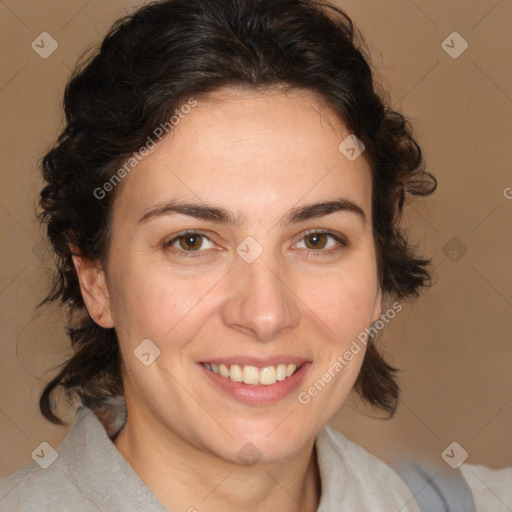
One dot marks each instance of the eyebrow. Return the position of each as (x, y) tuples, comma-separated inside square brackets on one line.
[(222, 216)]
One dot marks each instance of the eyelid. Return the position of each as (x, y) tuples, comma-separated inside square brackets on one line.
[(321, 231)]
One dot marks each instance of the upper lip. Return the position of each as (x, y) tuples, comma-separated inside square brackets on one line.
[(256, 361)]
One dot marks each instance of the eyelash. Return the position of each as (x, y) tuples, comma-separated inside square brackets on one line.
[(311, 253)]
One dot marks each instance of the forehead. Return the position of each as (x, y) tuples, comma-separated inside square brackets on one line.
[(256, 151)]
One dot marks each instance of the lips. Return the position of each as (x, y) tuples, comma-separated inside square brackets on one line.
[(256, 381)]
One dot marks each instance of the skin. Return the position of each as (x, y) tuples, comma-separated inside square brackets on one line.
[(258, 155)]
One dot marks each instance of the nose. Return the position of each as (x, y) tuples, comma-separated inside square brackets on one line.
[(261, 303)]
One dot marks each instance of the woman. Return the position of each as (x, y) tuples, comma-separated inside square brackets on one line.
[(224, 205)]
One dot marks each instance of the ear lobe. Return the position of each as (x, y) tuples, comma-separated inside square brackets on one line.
[(377, 306), (94, 289)]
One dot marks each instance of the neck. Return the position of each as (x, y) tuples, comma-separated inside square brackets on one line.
[(184, 477)]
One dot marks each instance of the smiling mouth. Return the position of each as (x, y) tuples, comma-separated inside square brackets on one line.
[(253, 375)]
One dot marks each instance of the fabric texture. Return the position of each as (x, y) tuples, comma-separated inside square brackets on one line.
[(437, 490), (91, 475), (491, 488)]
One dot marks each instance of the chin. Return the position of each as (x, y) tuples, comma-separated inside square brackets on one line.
[(263, 445)]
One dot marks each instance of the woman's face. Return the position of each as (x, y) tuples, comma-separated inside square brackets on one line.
[(250, 288)]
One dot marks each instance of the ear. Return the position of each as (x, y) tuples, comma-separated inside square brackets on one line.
[(94, 289), (377, 306)]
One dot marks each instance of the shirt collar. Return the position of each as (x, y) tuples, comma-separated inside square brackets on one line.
[(333, 483), (98, 469)]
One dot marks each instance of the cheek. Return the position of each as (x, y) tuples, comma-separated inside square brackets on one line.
[(155, 301), (343, 301)]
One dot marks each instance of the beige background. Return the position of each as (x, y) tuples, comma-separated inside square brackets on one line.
[(453, 344)]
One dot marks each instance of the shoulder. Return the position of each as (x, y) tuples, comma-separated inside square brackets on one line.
[(35, 489), (362, 463), (51, 479), (11, 489), (491, 488), (360, 478), (86, 473)]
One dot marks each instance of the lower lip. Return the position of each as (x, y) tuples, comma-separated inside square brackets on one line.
[(259, 394)]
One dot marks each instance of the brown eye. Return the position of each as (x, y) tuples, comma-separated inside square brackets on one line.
[(189, 244), (318, 240), (322, 243), (191, 241)]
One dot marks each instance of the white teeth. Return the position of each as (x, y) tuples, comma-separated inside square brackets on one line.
[(235, 373), (290, 368), (253, 375), (268, 375), (223, 371), (281, 372)]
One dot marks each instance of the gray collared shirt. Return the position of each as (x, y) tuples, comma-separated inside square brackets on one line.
[(90, 475)]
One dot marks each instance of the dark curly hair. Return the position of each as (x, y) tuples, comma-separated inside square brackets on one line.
[(168, 51)]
